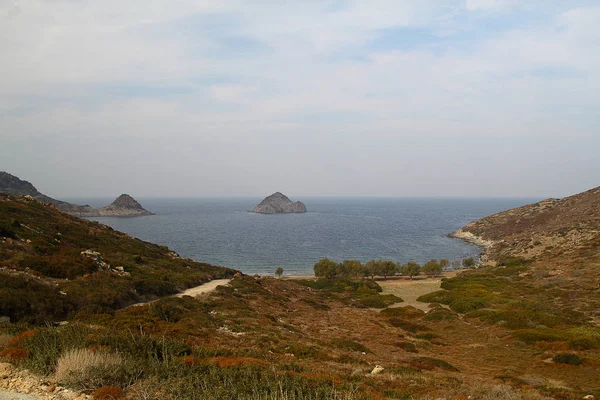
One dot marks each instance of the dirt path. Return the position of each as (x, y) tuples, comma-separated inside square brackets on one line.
[(205, 288), (195, 291), (410, 290)]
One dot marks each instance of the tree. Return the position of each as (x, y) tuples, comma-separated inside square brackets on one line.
[(326, 268), (386, 268), (279, 271), (444, 263), (411, 269), (456, 264), (432, 268), (370, 269), (468, 262), (352, 268)]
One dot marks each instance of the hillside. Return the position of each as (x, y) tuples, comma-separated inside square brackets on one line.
[(53, 264), (558, 236), (544, 228), (516, 330)]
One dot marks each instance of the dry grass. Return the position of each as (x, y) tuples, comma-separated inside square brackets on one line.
[(86, 368), (4, 341), (483, 391)]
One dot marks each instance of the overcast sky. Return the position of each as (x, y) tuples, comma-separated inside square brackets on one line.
[(341, 97)]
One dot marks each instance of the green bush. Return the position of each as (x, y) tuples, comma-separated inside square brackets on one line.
[(346, 344), (48, 344), (568, 358), (427, 336), (440, 314), (403, 312), (465, 305), (407, 325)]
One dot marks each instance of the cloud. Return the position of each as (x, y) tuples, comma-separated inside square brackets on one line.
[(487, 5), (350, 75)]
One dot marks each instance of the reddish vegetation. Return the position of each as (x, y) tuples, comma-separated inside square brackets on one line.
[(108, 393), (13, 354), (22, 337)]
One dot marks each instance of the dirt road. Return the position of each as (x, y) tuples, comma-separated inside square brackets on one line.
[(205, 288)]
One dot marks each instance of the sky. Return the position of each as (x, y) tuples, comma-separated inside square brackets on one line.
[(182, 98)]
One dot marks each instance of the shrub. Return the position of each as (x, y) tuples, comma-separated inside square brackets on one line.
[(403, 312), (427, 336), (351, 345), (568, 358), (465, 305), (532, 336), (84, 368), (407, 346), (13, 354), (431, 363), (379, 301), (407, 325), (440, 314), (4, 341), (468, 262), (5, 231), (46, 345), (108, 393)]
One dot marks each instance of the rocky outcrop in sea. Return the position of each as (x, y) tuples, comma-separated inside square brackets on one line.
[(278, 203)]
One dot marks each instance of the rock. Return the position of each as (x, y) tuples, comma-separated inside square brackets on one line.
[(589, 397), (123, 206), (278, 203), (377, 370)]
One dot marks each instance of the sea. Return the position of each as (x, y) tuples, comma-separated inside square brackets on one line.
[(224, 231)]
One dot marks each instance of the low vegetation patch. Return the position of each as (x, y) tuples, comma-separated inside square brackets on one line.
[(87, 369), (568, 358)]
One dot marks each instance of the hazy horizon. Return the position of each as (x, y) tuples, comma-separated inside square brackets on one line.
[(192, 99)]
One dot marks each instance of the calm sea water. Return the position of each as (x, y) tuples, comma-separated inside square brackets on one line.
[(223, 232)]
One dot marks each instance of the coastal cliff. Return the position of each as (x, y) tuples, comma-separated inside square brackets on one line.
[(278, 203)]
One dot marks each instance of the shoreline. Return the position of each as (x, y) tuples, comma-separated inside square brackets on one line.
[(475, 240)]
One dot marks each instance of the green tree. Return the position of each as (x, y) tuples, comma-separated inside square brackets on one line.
[(325, 268), (386, 268), (456, 264), (370, 269), (468, 262), (279, 271), (444, 263), (411, 269), (431, 268), (351, 268)]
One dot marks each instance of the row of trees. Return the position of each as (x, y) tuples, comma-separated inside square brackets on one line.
[(327, 268)]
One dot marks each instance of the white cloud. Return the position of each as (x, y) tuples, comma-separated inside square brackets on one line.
[(319, 72), (486, 5)]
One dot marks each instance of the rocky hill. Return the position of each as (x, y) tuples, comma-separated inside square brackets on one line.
[(278, 203), (13, 185), (545, 229), (123, 206)]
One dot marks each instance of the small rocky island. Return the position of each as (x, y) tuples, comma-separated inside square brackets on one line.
[(123, 206), (278, 203)]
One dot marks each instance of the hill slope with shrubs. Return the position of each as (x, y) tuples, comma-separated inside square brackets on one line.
[(53, 264)]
